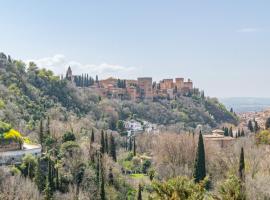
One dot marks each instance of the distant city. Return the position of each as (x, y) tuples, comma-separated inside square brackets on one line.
[(142, 88), (246, 104)]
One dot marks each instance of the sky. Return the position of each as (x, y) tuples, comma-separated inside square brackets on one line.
[(223, 46)]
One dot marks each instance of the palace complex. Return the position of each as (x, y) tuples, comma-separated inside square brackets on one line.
[(142, 88)]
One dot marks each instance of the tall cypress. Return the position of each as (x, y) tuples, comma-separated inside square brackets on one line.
[(242, 165), (106, 144), (199, 166), (130, 144), (39, 178), (231, 132), (112, 148), (102, 182), (250, 126), (92, 136), (139, 197), (102, 143), (48, 126), (41, 134), (134, 147)]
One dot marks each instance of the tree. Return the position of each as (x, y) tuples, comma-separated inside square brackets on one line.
[(226, 131), (102, 143), (139, 197), (130, 144), (39, 177), (241, 170), (48, 193), (92, 136), (242, 133), (256, 126), (134, 146), (120, 126), (250, 126), (102, 182), (110, 176), (231, 110), (199, 168), (112, 148), (231, 189), (48, 126), (179, 188), (68, 136), (28, 165), (267, 123), (106, 144), (231, 132), (41, 134)]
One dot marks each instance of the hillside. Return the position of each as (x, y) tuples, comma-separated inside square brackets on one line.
[(27, 95)]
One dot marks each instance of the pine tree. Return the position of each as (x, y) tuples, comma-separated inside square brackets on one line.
[(112, 148), (134, 146), (102, 143), (92, 136), (139, 197), (242, 165), (199, 167), (39, 178)]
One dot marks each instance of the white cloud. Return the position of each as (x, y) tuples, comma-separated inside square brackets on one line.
[(59, 64), (248, 30)]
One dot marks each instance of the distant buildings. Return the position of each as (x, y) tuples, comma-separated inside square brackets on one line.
[(218, 139), (141, 89)]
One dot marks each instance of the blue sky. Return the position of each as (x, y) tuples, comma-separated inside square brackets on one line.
[(223, 46)]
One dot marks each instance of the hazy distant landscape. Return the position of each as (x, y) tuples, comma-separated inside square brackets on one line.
[(246, 104)]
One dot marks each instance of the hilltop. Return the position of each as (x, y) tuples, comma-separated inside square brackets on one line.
[(28, 94)]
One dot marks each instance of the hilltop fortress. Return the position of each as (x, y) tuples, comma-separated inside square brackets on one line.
[(143, 88)]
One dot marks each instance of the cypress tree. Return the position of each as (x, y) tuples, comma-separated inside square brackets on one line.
[(41, 134), (98, 169), (39, 178), (48, 187), (139, 197), (130, 144), (250, 126), (267, 123), (256, 127), (231, 132), (134, 147), (102, 182), (48, 126), (102, 143), (199, 167), (112, 148), (242, 133), (106, 144), (110, 176), (92, 136), (242, 165)]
